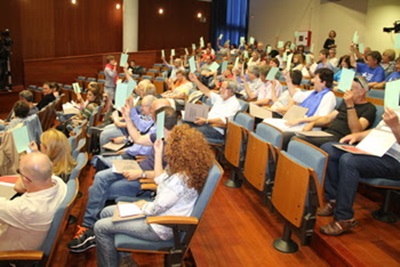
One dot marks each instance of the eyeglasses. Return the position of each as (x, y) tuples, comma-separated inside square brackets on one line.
[(360, 83), (29, 179)]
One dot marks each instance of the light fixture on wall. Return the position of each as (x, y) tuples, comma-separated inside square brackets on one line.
[(201, 18), (73, 2), (117, 6), (160, 11)]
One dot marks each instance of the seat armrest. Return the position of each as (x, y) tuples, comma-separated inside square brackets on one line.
[(21, 255), (165, 220), (146, 181), (152, 187)]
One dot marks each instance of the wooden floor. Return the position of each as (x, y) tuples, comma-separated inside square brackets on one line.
[(237, 230)]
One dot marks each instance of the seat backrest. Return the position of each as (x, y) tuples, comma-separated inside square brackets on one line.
[(214, 175), (146, 77), (81, 161), (270, 134), (290, 188), (72, 140), (79, 148), (378, 115), (245, 120), (60, 221), (34, 127), (376, 93), (94, 117), (310, 155), (244, 105), (256, 161), (159, 84), (233, 143)]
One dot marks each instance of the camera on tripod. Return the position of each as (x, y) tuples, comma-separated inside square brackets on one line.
[(395, 28), (5, 66)]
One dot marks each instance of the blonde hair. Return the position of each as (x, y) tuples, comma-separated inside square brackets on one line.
[(58, 150)]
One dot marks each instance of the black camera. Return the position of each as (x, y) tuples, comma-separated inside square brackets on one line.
[(6, 39), (396, 27)]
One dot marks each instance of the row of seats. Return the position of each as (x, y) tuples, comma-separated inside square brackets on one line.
[(254, 156)]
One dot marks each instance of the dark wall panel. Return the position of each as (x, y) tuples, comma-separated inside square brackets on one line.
[(177, 27), (48, 29), (57, 28)]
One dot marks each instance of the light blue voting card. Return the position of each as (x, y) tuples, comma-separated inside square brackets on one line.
[(160, 125), (214, 66), (123, 60), (392, 95), (21, 138), (192, 65), (272, 73), (121, 95), (346, 79)]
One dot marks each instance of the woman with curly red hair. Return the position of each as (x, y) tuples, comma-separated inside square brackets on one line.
[(189, 159)]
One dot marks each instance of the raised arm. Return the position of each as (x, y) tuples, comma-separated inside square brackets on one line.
[(204, 89), (135, 135), (392, 120), (290, 85), (250, 94), (353, 52), (158, 151)]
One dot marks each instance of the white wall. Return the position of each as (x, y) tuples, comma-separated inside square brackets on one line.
[(284, 17), (381, 13)]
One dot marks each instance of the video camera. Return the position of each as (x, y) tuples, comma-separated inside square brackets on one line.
[(396, 27)]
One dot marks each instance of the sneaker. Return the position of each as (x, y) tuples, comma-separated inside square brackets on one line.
[(88, 245), (81, 238)]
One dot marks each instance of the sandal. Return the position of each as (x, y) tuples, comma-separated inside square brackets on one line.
[(338, 227), (327, 210)]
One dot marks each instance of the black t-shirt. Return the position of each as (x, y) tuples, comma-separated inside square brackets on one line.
[(328, 43), (340, 127)]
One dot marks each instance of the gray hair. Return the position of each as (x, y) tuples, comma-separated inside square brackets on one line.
[(27, 95), (255, 70), (232, 85)]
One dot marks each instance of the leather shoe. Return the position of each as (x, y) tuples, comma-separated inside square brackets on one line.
[(327, 210)]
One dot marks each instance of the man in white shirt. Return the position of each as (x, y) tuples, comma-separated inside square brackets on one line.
[(270, 91), (253, 84), (25, 220), (225, 106)]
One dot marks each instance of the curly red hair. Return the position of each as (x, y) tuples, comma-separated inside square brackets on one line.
[(188, 152)]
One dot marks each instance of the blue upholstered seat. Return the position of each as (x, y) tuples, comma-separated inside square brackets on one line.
[(175, 251)]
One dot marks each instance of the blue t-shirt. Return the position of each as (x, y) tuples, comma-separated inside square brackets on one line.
[(370, 74), (393, 76)]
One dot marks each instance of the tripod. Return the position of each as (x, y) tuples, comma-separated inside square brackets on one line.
[(5, 74)]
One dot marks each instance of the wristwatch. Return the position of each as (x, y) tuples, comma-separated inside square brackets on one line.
[(144, 174), (348, 108)]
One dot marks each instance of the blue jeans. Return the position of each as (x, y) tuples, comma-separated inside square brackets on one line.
[(100, 192), (105, 230), (110, 131), (208, 131), (344, 171)]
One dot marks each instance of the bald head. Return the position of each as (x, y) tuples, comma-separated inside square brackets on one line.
[(157, 104), (37, 168)]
